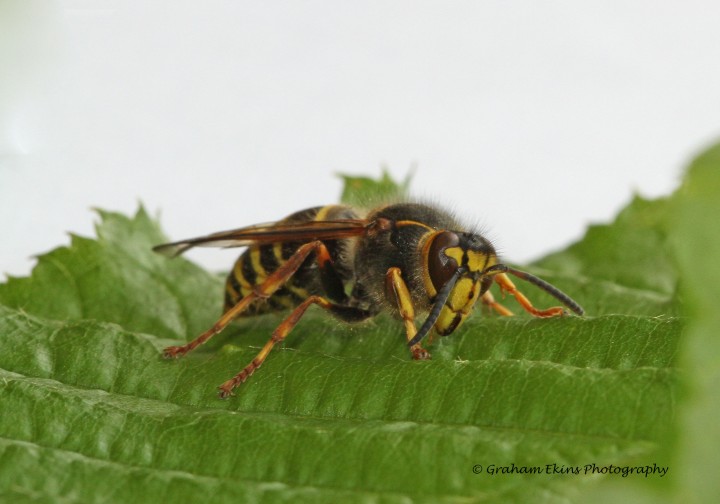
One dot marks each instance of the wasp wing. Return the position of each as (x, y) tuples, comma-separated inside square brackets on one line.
[(273, 232)]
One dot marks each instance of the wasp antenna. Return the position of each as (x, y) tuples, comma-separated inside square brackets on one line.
[(538, 282), (437, 307), (550, 289)]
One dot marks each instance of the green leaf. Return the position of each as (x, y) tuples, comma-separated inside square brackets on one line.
[(632, 252), (367, 192), (696, 244), (339, 413), (117, 279), (304, 419)]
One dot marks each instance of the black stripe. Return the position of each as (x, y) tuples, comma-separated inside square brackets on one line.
[(247, 270), (333, 249), (288, 249), (235, 283), (229, 301), (274, 303), (453, 325), (349, 313), (267, 259), (294, 296)]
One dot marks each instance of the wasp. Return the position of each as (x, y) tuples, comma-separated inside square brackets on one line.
[(403, 258)]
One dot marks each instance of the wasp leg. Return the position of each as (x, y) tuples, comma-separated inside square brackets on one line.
[(263, 291), (489, 300), (395, 282), (506, 285), (346, 313)]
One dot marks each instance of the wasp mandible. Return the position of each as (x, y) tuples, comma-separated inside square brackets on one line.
[(402, 258)]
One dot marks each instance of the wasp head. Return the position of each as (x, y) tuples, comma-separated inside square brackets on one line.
[(459, 258)]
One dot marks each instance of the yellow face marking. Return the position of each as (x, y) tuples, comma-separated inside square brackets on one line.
[(491, 261), (446, 320), (476, 260), (456, 253), (460, 303), (461, 293)]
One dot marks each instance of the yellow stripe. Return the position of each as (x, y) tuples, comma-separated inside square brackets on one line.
[(256, 265), (277, 250), (236, 296), (303, 293), (231, 291), (237, 272), (402, 223), (284, 300), (322, 213)]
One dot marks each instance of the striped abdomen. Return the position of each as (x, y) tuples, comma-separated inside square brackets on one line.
[(259, 261)]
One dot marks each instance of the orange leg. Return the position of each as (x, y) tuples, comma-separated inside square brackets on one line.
[(263, 291), (395, 282), (278, 335), (506, 285), (489, 300)]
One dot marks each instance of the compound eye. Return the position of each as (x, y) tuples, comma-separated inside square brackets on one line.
[(441, 267)]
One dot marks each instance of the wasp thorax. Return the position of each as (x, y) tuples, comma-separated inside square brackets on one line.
[(441, 266)]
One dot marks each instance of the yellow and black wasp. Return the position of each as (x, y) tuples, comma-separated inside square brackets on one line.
[(402, 258)]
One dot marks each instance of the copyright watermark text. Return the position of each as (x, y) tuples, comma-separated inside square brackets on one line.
[(560, 469)]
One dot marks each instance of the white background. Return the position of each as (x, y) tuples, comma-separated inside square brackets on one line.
[(532, 118)]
